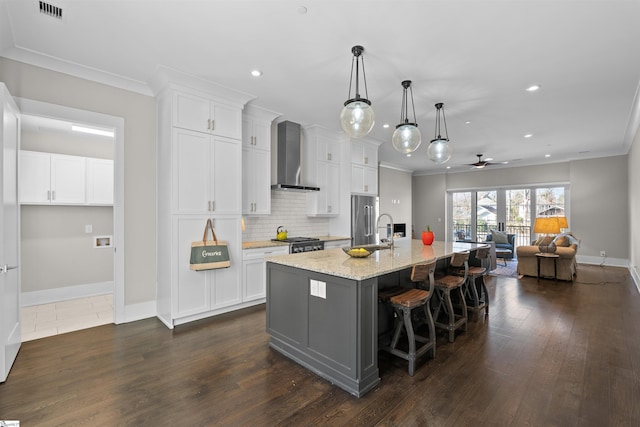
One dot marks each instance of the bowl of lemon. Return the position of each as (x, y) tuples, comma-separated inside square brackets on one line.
[(356, 252)]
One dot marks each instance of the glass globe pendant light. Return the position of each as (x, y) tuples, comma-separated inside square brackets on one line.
[(406, 138), (440, 150), (357, 117)]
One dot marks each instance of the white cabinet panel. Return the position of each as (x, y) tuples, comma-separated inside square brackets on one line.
[(201, 291), (204, 115), (207, 172), (254, 276), (256, 181), (35, 177), (99, 181), (322, 163)]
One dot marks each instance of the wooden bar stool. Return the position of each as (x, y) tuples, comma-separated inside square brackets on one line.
[(444, 286), (404, 301), (475, 289)]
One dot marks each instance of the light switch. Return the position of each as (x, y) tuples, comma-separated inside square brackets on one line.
[(314, 287), (88, 228)]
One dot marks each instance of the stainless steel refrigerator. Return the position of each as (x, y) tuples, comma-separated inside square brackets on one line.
[(364, 213)]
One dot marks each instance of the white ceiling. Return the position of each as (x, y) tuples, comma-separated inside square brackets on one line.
[(475, 56)]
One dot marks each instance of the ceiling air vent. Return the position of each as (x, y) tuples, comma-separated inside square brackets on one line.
[(50, 10)]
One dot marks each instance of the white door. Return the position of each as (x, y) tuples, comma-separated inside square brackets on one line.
[(10, 332)]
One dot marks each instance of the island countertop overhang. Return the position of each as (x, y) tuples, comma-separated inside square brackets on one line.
[(403, 255)]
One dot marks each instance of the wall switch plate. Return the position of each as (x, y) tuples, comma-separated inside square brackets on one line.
[(88, 228), (313, 285), (322, 290)]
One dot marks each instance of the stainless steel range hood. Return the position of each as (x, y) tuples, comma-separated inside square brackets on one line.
[(288, 152)]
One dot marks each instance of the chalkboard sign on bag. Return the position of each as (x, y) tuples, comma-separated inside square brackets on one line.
[(209, 254)]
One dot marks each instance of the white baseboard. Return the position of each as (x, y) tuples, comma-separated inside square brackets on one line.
[(634, 275), (49, 296), (143, 310), (596, 260)]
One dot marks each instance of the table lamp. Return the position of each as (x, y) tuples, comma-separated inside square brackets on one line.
[(547, 225)]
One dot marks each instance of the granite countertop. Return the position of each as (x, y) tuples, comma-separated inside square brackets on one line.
[(270, 243), (403, 255)]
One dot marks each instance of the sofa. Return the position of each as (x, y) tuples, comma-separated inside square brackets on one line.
[(503, 241), (564, 245)]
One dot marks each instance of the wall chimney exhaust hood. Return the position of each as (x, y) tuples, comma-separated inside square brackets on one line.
[(288, 157)]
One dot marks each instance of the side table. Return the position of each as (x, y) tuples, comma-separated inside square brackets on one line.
[(554, 257)]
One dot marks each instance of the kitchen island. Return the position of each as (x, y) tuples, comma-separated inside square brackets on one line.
[(322, 307)]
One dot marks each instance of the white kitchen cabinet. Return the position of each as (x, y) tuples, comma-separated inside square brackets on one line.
[(254, 272), (52, 179), (99, 181), (199, 176), (364, 167), (256, 160), (322, 165), (207, 173), (256, 182), (197, 292), (205, 115)]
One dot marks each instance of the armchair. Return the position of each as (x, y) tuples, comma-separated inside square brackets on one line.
[(511, 239)]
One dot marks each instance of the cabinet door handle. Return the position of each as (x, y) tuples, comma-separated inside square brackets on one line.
[(366, 160), (366, 188), (209, 205), (329, 208), (53, 195), (48, 194), (329, 156), (209, 124), (213, 205), (213, 124)]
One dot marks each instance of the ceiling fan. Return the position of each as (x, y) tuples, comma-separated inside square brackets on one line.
[(481, 163)]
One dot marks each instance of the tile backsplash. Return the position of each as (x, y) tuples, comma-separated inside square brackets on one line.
[(288, 209)]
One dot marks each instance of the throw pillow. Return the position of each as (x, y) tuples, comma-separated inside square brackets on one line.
[(550, 248), (499, 237), (561, 240), (546, 241)]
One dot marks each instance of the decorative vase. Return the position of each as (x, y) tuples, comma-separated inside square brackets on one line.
[(428, 237)]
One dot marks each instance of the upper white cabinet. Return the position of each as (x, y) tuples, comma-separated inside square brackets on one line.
[(207, 173), (322, 165), (99, 181), (364, 167), (204, 115), (57, 179), (256, 160)]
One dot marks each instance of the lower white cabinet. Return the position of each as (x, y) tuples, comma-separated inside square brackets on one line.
[(201, 292), (254, 272)]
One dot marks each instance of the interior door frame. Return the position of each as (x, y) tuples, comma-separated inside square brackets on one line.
[(54, 111)]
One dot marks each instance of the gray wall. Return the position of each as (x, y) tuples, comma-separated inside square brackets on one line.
[(139, 113), (394, 191), (55, 250), (599, 198)]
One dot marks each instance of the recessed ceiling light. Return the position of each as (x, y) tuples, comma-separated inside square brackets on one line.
[(547, 155), (533, 88), (529, 135), (93, 131), (256, 73), (408, 154), (386, 125), (448, 167), (467, 122)]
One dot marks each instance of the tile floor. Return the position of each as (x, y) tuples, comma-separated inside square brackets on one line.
[(45, 320)]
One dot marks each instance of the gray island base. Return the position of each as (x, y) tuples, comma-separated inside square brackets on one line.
[(322, 307)]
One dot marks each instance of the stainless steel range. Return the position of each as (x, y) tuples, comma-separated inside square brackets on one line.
[(303, 244)]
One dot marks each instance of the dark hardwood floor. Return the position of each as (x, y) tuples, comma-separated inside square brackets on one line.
[(550, 354)]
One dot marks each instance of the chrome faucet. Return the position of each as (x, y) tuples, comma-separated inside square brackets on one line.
[(389, 231)]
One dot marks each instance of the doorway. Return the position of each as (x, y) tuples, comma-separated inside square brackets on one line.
[(474, 213), (98, 121)]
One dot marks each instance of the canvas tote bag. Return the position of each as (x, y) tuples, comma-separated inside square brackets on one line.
[(209, 254)]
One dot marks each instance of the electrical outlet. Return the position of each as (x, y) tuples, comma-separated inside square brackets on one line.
[(603, 254)]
